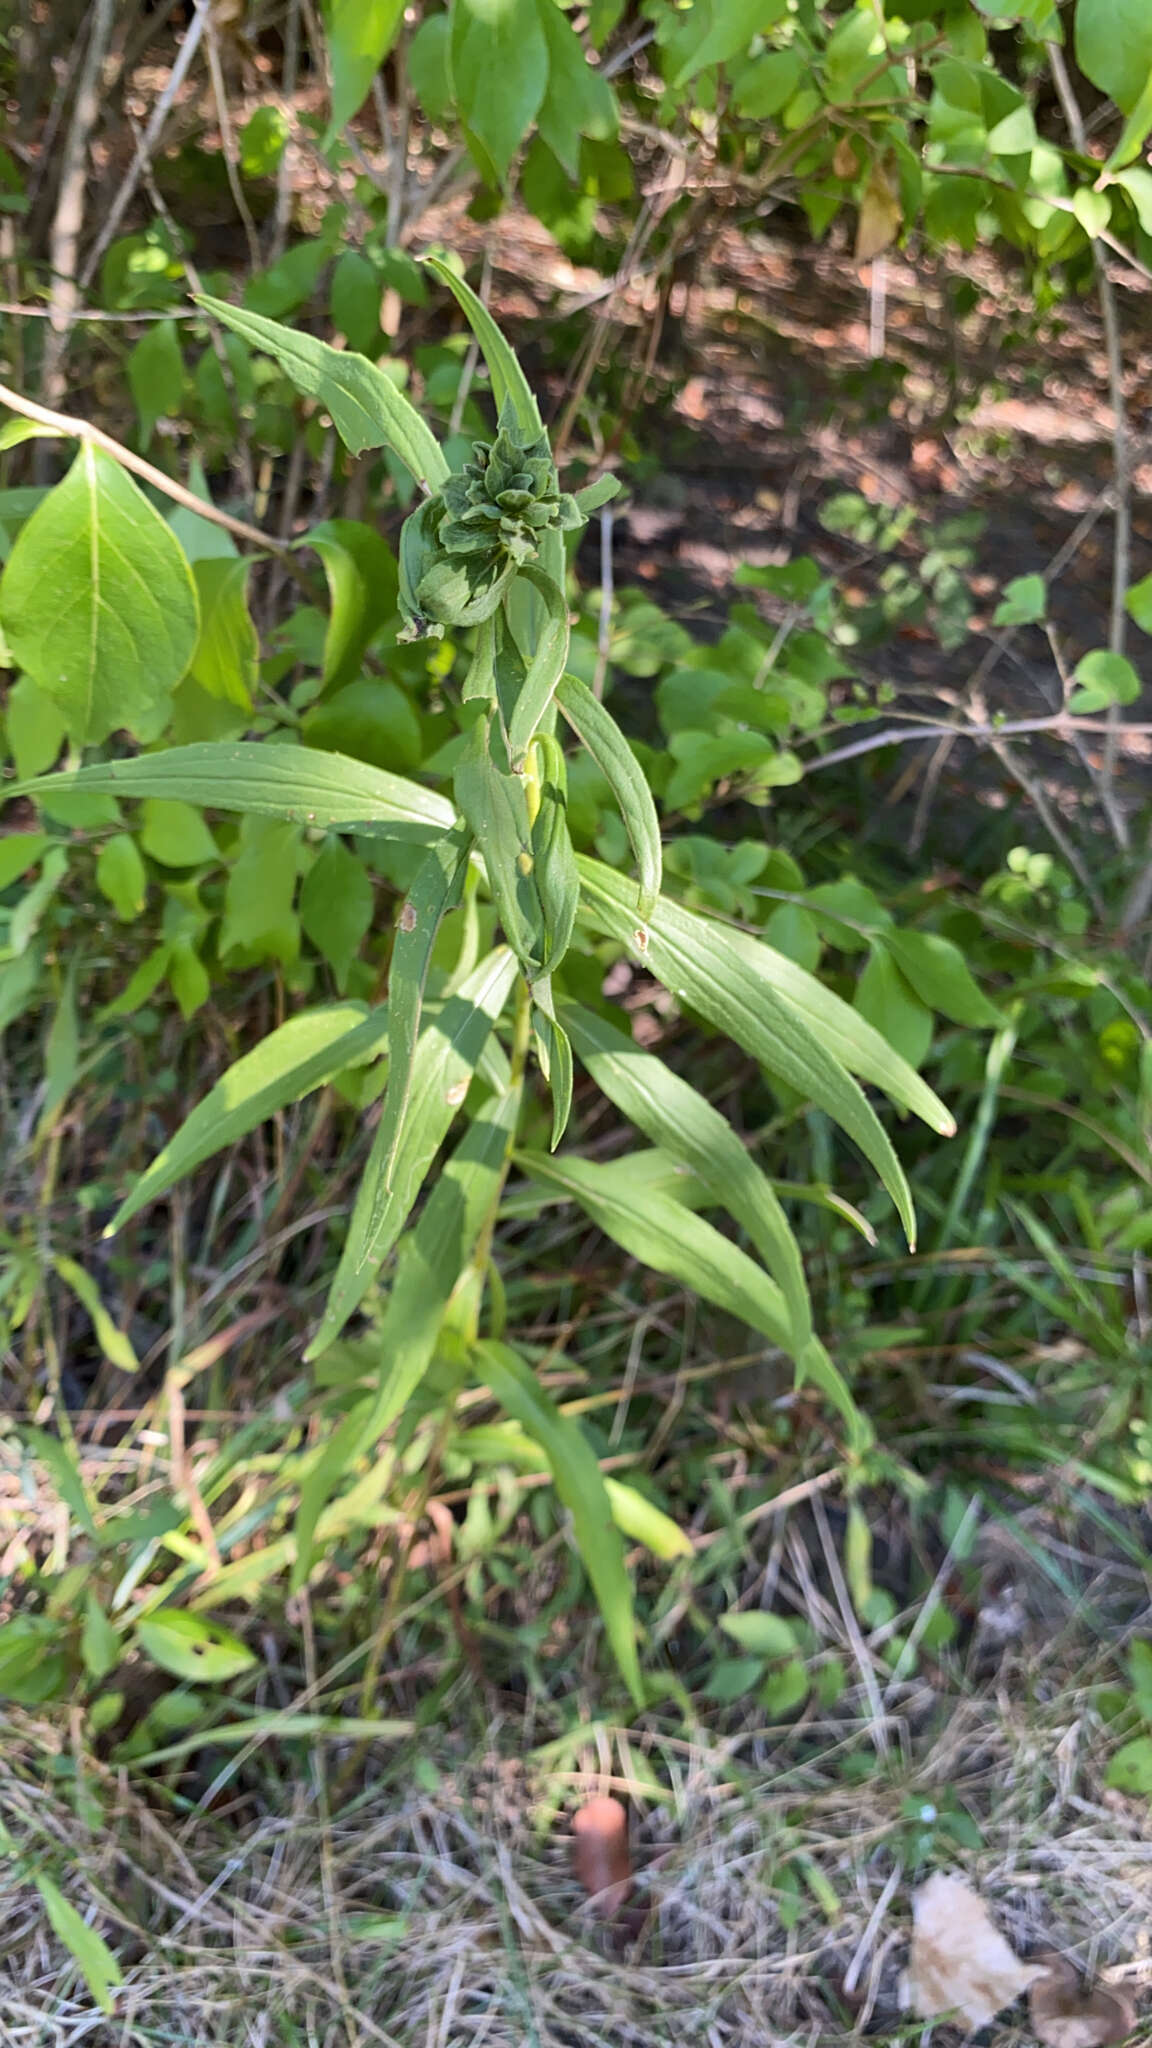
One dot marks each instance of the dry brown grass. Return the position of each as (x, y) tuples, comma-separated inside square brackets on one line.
[(433, 1906)]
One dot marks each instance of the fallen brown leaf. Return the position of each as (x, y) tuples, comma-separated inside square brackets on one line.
[(960, 1962), (1064, 2015)]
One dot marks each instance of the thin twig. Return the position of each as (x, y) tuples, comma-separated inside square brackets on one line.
[(144, 148), (228, 146), (286, 167), (64, 241), (1060, 723), (83, 430), (1121, 438)]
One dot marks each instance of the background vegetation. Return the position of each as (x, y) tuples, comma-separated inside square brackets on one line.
[(453, 1365)]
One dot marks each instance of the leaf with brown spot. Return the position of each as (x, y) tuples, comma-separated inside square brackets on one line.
[(1064, 2015)]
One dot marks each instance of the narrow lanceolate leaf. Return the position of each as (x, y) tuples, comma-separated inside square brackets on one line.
[(508, 379), (113, 1342), (450, 1047), (495, 805), (101, 1971), (437, 889), (97, 602), (368, 410), (435, 1256), (555, 1055), (669, 1238), (546, 666), (698, 961), (581, 1488), (555, 872), (846, 1035), (269, 780), (294, 1059), (670, 1112), (597, 730)]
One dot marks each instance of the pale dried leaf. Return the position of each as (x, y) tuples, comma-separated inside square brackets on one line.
[(1065, 2016), (880, 216), (960, 1962)]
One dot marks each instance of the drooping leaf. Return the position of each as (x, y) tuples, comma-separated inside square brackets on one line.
[(705, 965), (547, 664), (115, 1345), (581, 1488), (714, 34), (289, 1063), (500, 72), (599, 733), (670, 1112), (271, 780), (493, 801), (449, 1049), (670, 1239), (98, 604), (359, 35), (368, 410)]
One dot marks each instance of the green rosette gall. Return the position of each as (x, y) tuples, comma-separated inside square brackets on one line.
[(461, 548)]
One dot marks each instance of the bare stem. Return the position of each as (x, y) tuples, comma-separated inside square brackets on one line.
[(1121, 438), (83, 430)]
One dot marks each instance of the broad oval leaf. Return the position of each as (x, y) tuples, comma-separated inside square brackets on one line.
[(189, 1646), (359, 35), (368, 410), (580, 1485), (294, 1059), (267, 779), (98, 604), (362, 586), (500, 73), (227, 651)]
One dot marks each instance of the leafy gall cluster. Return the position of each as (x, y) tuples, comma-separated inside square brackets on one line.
[(460, 550)]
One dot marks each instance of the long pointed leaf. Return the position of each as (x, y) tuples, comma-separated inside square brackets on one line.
[(546, 666), (437, 889), (450, 1046), (435, 1255), (294, 1059), (267, 779), (670, 1112), (368, 410), (597, 730), (696, 961), (508, 379), (670, 1239), (847, 1035), (580, 1485)]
